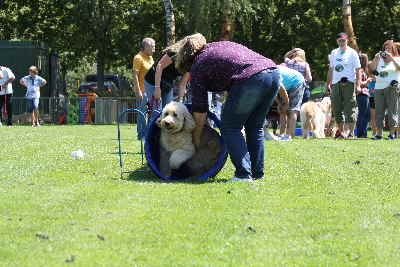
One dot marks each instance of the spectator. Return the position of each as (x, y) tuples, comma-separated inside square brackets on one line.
[(371, 88), (343, 81), (142, 62), (252, 81), (33, 82), (160, 78), (294, 83), (6, 92), (387, 69), (296, 59), (362, 98)]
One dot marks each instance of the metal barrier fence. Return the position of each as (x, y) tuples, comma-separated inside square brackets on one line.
[(63, 110)]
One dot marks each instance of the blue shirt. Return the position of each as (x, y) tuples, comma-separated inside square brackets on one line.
[(371, 87), (33, 84), (290, 78)]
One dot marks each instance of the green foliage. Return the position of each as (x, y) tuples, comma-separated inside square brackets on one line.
[(322, 203), (73, 108), (110, 31)]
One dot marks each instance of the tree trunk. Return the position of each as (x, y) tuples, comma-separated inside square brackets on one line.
[(228, 23), (100, 70), (348, 24), (169, 22), (100, 57)]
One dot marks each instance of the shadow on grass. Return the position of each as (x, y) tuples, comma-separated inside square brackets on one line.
[(145, 175)]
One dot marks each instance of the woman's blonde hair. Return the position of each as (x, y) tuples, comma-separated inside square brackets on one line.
[(297, 54), (187, 50)]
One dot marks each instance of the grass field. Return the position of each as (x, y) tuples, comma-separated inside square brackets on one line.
[(322, 203)]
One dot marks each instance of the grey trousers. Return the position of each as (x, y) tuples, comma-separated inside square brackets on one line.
[(387, 99)]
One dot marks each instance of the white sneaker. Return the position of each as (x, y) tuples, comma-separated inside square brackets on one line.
[(285, 137), (237, 179), (1, 124)]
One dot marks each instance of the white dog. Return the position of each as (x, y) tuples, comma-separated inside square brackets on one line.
[(315, 116), (176, 142)]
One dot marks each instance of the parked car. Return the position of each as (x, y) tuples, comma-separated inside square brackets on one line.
[(110, 89), (123, 85)]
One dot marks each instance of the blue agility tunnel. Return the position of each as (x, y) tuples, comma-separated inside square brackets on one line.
[(152, 150)]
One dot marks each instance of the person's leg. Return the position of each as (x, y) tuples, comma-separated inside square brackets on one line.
[(141, 118), (295, 98), (373, 121), (2, 99), (379, 111), (337, 106), (36, 110), (350, 106), (9, 109), (391, 98), (243, 100), (282, 123), (363, 114), (254, 126), (292, 119)]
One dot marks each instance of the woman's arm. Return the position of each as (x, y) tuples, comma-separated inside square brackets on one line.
[(200, 120), (164, 62), (182, 84), (308, 73), (374, 63)]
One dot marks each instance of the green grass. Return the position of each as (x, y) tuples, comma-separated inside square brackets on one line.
[(322, 203)]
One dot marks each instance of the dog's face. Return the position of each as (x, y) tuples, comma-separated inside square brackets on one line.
[(175, 117)]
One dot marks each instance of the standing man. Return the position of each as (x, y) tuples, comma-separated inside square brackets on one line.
[(343, 82), (6, 92), (142, 62)]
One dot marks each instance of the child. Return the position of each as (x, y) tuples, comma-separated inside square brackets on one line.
[(33, 82)]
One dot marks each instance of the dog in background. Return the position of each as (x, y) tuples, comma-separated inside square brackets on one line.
[(314, 117), (176, 143)]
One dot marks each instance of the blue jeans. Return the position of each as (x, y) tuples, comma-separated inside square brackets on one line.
[(246, 106), (364, 115), (142, 106)]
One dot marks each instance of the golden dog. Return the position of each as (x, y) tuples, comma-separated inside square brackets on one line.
[(176, 143), (314, 117)]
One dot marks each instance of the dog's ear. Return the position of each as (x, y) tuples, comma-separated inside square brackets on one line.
[(189, 123)]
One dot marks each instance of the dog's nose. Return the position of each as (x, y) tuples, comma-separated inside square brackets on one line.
[(167, 124)]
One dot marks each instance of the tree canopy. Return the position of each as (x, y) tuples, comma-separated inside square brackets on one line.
[(111, 30)]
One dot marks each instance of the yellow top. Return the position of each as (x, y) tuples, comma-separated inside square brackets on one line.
[(141, 64)]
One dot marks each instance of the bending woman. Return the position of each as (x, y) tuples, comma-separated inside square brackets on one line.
[(252, 82)]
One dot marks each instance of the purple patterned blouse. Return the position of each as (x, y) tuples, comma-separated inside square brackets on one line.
[(220, 64)]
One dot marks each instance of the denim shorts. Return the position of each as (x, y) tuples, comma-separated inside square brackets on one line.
[(32, 104), (295, 97)]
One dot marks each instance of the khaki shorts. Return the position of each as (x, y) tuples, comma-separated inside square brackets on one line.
[(344, 102), (387, 99)]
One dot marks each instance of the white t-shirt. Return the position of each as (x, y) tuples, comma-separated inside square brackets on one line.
[(7, 74), (33, 85), (387, 73), (344, 64)]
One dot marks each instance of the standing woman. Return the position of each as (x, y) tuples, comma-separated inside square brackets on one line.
[(296, 59), (387, 69), (160, 78), (252, 82), (362, 97)]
